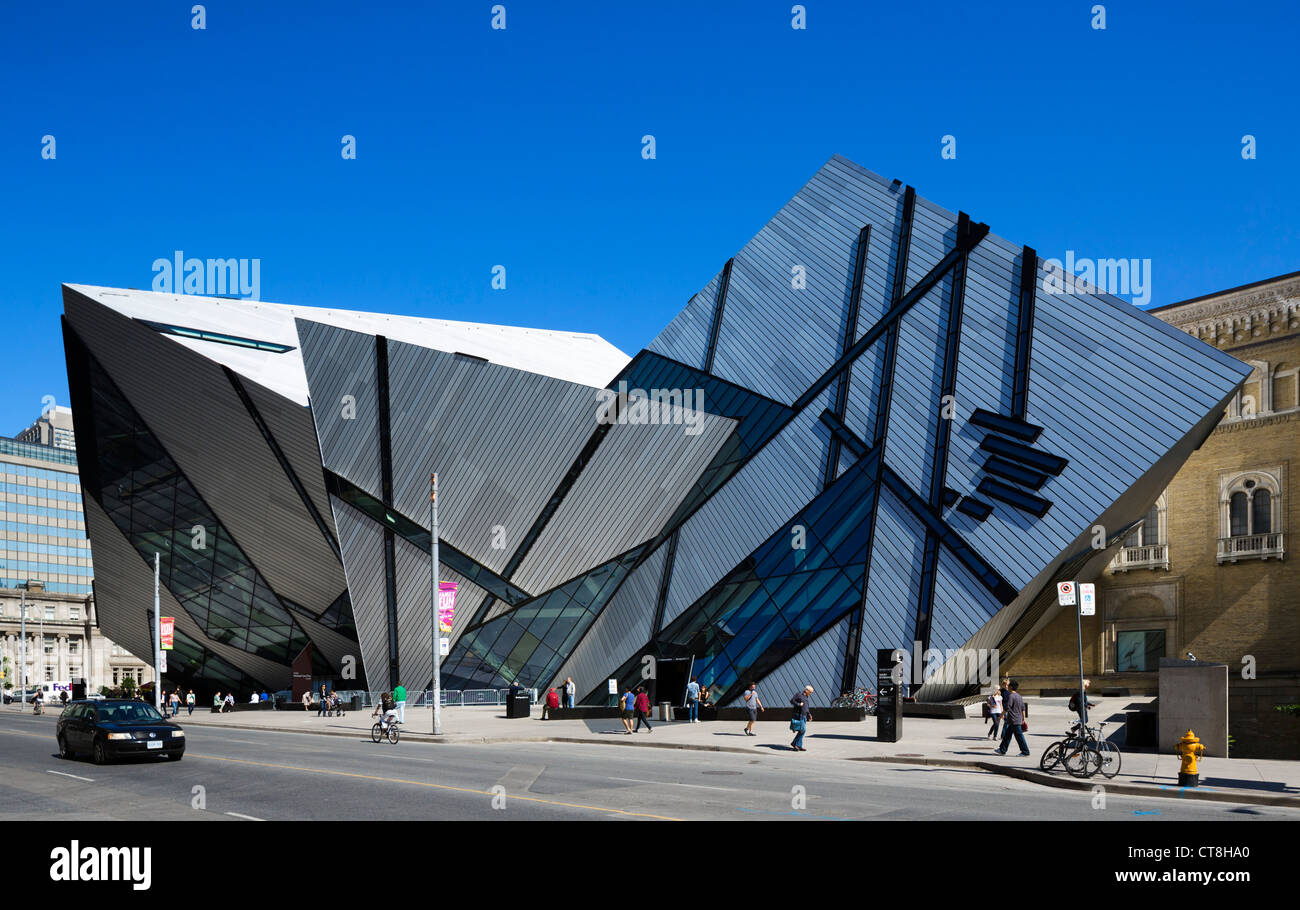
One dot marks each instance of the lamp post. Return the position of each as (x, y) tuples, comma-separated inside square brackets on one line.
[(22, 635), (436, 626)]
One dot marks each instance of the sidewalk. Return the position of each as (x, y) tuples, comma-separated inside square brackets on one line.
[(960, 743)]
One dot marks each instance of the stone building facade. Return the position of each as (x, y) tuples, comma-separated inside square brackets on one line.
[(1208, 571), (64, 643)]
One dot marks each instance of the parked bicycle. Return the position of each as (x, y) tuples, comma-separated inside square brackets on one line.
[(858, 698), (1083, 753), (378, 733)]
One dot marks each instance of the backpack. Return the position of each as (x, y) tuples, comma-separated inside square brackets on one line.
[(1074, 703)]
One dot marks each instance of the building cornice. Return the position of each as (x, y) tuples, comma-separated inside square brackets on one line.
[(1256, 313)]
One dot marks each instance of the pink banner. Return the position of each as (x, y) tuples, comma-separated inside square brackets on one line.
[(446, 606)]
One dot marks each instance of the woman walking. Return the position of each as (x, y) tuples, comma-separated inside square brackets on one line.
[(994, 702), (642, 704)]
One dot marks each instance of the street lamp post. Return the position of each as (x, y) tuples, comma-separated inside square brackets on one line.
[(22, 644), (433, 604)]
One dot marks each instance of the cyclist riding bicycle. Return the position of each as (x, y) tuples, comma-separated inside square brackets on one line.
[(388, 708)]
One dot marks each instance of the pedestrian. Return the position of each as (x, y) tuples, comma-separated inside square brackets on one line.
[(399, 699), (1013, 710), (994, 705), (799, 722), (306, 700), (551, 702), (1080, 698), (189, 703), (753, 704), (570, 690), (628, 708), (693, 698), (266, 697), (175, 701), (217, 702), (642, 705), (254, 699), (320, 710)]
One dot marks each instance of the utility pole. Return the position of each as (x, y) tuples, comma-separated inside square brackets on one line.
[(22, 641), (157, 644), (433, 604)]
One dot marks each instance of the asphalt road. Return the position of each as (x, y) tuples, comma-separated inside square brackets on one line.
[(242, 775)]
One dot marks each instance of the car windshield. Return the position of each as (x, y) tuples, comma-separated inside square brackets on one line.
[(125, 714)]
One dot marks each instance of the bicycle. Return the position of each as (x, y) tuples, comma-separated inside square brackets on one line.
[(378, 733), (1083, 753), (859, 698)]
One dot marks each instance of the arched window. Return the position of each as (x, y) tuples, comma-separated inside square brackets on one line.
[(1145, 546), (1250, 515)]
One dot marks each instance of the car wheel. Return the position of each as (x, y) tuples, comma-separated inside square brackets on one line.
[(64, 751), (100, 754), (176, 756)]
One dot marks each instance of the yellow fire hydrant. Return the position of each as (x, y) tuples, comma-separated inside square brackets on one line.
[(1190, 748)]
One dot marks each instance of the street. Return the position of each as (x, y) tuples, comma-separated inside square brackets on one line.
[(235, 775)]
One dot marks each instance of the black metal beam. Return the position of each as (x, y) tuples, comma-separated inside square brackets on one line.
[(386, 482), (1024, 331), (850, 335), (715, 326)]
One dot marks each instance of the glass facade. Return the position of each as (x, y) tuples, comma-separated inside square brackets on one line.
[(528, 644), (779, 598), (157, 509), (42, 534)]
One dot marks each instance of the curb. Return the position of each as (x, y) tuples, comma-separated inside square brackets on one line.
[(1164, 791)]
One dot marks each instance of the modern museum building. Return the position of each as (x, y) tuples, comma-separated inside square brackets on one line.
[(879, 425)]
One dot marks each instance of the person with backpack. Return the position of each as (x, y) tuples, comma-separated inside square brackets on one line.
[(1080, 698), (627, 703), (753, 704), (993, 710), (693, 698), (799, 722), (1014, 722)]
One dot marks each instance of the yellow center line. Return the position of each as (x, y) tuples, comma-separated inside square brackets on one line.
[(421, 783), (34, 735)]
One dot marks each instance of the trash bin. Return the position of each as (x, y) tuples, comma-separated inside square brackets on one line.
[(356, 703), (665, 710), (518, 706)]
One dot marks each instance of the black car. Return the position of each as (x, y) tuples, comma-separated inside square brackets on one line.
[(116, 728)]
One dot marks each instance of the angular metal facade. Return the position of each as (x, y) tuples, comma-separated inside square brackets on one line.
[(879, 428)]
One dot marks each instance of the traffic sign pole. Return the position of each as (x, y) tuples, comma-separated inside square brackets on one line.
[(1083, 698)]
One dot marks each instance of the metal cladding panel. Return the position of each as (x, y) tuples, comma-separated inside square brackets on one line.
[(332, 645), (340, 367), (621, 629), (820, 665), (124, 598), (915, 404), (638, 476), (414, 626), (774, 485), (934, 233), (295, 433), (864, 391), (1095, 362), (893, 585), (362, 543), (234, 470), (686, 338), (500, 439), (962, 605)]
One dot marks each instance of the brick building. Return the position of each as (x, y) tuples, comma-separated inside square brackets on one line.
[(1207, 572)]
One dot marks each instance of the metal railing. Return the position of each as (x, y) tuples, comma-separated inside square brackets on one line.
[(1153, 556), (1251, 546)]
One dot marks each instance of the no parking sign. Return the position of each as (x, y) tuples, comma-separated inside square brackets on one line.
[(1065, 593)]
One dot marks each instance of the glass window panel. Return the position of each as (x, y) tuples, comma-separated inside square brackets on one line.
[(1237, 514), (1261, 516), (1151, 527)]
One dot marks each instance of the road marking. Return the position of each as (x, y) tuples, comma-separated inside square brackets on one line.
[(249, 817), (66, 774), (421, 783), (33, 735), (669, 783)]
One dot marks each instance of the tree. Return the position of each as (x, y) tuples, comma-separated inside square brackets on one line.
[(128, 685)]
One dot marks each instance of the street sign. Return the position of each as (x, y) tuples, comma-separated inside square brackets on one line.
[(1065, 593), (613, 687), (1087, 599), (444, 646)]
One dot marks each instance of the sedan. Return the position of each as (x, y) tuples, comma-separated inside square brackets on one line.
[(117, 728)]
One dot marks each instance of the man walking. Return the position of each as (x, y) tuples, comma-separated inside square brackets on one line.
[(753, 704), (320, 709), (642, 706), (799, 723), (189, 703), (693, 698), (570, 690), (628, 703), (399, 697), (1013, 714)]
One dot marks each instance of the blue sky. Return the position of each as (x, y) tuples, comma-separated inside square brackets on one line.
[(522, 147)]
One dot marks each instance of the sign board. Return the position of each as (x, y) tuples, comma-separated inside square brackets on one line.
[(167, 629), (444, 646), (613, 687), (162, 661), (446, 606), (1065, 593), (1087, 599)]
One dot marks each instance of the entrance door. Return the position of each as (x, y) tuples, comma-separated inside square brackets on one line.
[(671, 676)]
